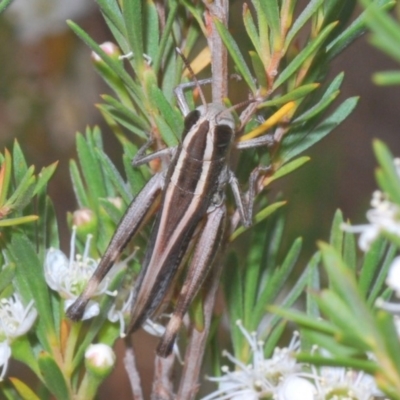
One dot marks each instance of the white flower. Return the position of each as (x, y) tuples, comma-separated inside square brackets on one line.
[(278, 377), (5, 354), (69, 277), (341, 383), (15, 319), (383, 217)]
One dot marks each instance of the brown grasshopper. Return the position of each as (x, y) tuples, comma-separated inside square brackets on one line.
[(190, 198)]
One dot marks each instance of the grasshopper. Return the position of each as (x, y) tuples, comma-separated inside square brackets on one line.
[(189, 197)]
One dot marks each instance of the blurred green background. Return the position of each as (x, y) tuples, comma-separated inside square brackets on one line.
[(48, 91)]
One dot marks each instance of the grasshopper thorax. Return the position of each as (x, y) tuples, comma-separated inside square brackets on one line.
[(208, 133)]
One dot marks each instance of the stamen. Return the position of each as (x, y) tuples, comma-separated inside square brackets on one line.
[(72, 246)]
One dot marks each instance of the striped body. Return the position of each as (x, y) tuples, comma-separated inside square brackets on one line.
[(191, 216), (194, 181)]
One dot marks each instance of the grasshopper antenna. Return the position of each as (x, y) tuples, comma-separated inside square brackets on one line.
[(193, 75)]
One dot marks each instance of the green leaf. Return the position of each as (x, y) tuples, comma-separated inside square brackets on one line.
[(166, 34), (7, 274), (117, 117), (278, 279), (316, 110), (235, 53), (336, 308), (387, 31), (45, 175), (304, 137), (252, 272), (306, 14), (91, 169), (161, 105), (304, 320), (113, 14), (266, 212), (259, 70), (388, 179), (18, 220), (340, 42), (23, 390), (6, 169), (314, 285), (336, 237), (350, 251), (327, 98), (24, 192), (169, 136), (268, 15), (53, 377), (293, 95), (4, 4), (20, 166), (112, 174), (234, 297), (274, 338), (378, 282), (23, 351), (127, 113), (295, 292), (30, 282), (387, 78), (251, 29), (390, 336), (287, 169), (78, 186), (371, 264), (133, 16), (306, 53), (112, 211), (343, 284), (151, 29), (134, 175)]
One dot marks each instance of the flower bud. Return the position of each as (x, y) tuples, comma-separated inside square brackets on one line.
[(85, 221), (110, 49), (99, 360)]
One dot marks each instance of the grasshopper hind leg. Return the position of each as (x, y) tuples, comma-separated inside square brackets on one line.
[(204, 254)]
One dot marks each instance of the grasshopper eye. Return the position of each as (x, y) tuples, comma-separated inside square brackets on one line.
[(190, 121), (223, 137)]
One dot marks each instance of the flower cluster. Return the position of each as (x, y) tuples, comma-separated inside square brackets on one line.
[(281, 377)]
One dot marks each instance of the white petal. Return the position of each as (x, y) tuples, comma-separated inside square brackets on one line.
[(5, 354), (293, 386), (368, 236), (393, 278), (27, 323), (55, 266)]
